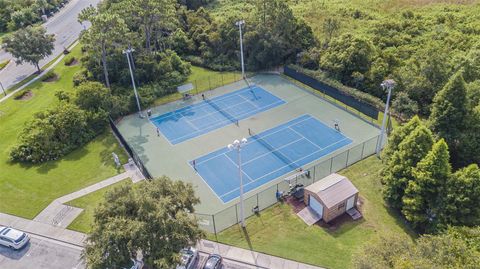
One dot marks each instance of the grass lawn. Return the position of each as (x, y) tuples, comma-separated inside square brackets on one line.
[(27, 189), (3, 64), (278, 231), (202, 80), (89, 202)]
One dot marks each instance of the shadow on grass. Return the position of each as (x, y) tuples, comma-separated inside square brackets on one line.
[(401, 222)]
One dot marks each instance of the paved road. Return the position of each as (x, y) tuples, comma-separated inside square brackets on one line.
[(227, 264), (64, 26), (42, 253)]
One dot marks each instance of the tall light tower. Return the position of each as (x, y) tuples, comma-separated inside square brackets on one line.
[(237, 145), (239, 24), (388, 85), (128, 53)]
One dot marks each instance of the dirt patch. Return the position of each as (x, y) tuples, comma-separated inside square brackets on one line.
[(74, 62), (25, 96), (51, 79)]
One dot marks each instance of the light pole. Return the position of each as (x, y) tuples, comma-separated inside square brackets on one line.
[(239, 24), (3, 89), (128, 53), (388, 84), (237, 145)]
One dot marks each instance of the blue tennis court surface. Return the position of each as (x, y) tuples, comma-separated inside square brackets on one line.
[(194, 120), (269, 155)]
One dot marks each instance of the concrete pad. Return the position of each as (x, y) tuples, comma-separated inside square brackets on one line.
[(309, 216)]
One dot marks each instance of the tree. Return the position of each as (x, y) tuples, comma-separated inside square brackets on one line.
[(463, 197), (398, 170), (450, 111), (405, 106), (330, 27), (398, 135), (106, 31), (154, 218), (458, 248), (423, 202), (52, 134), (30, 45), (346, 55)]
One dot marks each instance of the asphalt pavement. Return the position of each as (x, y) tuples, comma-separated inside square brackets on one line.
[(42, 253), (66, 28)]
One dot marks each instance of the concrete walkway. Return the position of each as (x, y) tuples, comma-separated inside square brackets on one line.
[(61, 215), (253, 258), (256, 259), (42, 229)]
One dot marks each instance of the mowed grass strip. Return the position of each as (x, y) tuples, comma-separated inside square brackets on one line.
[(27, 189), (278, 231), (89, 202)]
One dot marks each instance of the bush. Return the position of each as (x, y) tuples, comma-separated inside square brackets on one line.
[(70, 60), (52, 134), (49, 76), (79, 78), (20, 94)]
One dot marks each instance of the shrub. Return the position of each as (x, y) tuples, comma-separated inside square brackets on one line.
[(20, 94), (70, 60), (49, 76), (52, 134), (79, 78)]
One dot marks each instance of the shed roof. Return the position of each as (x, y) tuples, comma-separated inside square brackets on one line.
[(333, 189)]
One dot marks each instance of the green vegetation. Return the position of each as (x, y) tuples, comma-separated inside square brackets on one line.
[(30, 45), (89, 202), (151, 216), (278, 231), (458, 248), (15, 14), (27, 189), (202, 80), (418, 180), (3, 64)]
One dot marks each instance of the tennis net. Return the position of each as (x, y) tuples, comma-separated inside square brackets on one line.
[(223, 112), (273, 150)]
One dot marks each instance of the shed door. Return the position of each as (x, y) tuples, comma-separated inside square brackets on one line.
[(350, 202), (315, 205)]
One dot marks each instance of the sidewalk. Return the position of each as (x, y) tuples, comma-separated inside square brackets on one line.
[(253, 258), (42, 229)]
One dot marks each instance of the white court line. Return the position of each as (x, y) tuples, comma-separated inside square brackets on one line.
[(237, 167), (311, 142), (220, 123), (223, 195), (204, 104), (250, 141)]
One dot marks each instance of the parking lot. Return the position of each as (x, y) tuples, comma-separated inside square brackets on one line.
[(42, 253)]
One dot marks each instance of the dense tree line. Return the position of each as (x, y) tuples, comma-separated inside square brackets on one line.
[(421, 50), (16, 14), (458, 248), (418, 176)]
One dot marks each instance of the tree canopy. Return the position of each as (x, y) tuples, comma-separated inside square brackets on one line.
[(153, 218), (30, 45)]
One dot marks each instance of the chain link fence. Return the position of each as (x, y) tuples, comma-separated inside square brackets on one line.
[(215, 223)]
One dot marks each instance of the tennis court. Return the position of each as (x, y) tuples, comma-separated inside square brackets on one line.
[(198, 119), (269, 155)]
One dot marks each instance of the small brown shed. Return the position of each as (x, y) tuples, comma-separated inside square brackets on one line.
[(331, 196)]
